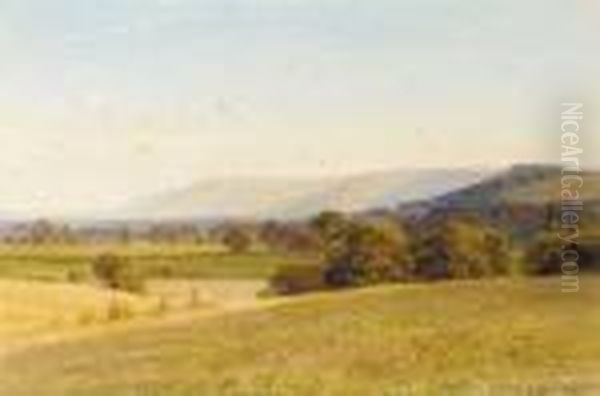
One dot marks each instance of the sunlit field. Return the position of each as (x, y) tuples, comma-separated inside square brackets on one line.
[(30, 308), (459, 338), (60, 262), (299, 198)]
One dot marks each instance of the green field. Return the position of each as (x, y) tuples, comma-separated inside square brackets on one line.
[(56, 262), (451, 338)]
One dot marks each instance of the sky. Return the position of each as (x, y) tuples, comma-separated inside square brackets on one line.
[(105, 100)]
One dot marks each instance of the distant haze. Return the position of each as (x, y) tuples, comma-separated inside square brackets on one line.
[(105, 101), (295, 198)]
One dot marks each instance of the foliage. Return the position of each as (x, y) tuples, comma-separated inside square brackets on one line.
[(330, 226), (358, 252), (364, 253), (117, 272), (298, 279), (462, 249), (544, 254), (237, 239), (289, 238)]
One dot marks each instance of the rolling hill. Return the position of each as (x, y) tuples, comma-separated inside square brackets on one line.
[(524, 188), (520, 184), (291, 198), (436, 339)]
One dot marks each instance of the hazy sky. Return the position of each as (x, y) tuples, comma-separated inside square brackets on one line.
[(104, 99)]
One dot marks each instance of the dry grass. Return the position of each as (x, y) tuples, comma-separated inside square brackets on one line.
[(443, 339), (29, 308), (216, 293)]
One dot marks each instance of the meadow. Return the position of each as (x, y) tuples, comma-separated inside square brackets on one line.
[(55, 262), (50, 290), (505, 337)]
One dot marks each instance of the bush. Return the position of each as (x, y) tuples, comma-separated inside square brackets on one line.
[(237, 239), (118, 273), (296, 279)]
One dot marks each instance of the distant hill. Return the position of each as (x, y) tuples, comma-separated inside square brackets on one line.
[(413, 193), (521, 184), (283, 198), (522, 198)]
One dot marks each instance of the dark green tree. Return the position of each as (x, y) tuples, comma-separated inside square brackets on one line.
[(118, 273), (461, 249), (368, 253), (237, 239)]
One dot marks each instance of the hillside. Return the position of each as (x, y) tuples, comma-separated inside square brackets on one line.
[(521, 184), (297, 198), (446, 338), (518, 198)]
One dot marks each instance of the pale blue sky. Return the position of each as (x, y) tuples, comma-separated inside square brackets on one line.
[(101, 100)]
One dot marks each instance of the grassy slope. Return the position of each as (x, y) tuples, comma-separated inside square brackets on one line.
[(370, 342)]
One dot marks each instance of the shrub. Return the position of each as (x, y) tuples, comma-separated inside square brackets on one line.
[(118, 273), (237, 239), (165, 271), (296, 279)]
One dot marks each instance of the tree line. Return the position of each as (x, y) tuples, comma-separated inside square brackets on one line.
[(357, 251)]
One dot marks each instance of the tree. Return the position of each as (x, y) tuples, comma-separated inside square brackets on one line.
[(118, 273), (330, 226), (289, 237), (237, 239), (462, 248), (368, 253), (41, 231)]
